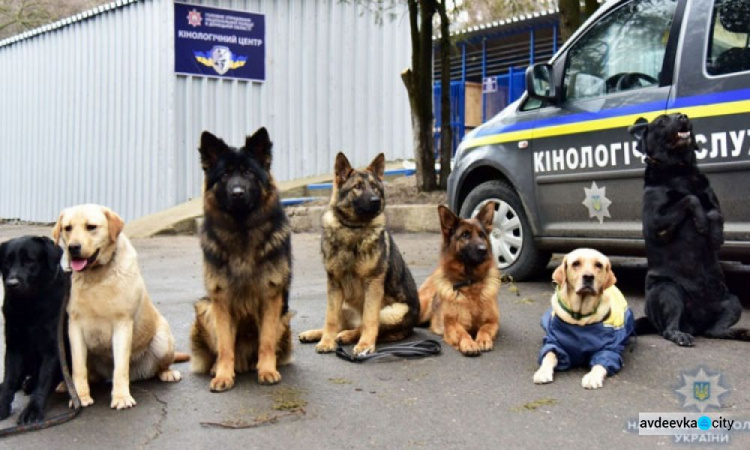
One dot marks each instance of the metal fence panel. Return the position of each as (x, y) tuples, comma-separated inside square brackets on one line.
[(92, 111)]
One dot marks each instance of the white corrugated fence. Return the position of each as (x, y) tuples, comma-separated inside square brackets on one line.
[(92, 111)]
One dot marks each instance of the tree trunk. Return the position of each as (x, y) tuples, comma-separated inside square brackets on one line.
[(418, 82), (590, 8), (570, 17), (446, 131)]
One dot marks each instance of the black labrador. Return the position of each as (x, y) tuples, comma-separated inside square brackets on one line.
[(35, 286), (683, 227)]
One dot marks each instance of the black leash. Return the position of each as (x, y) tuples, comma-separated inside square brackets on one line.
[(63, 354), (408, 350)]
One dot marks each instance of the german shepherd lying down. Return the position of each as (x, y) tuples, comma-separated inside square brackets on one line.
[(371, 293), (683, 228), (247, 262), (459, 299)]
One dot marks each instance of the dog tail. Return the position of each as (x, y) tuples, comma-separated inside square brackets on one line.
[(181, 357), (644, 326)]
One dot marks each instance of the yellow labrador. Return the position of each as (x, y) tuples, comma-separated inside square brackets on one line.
[(115, 331), (589, 323)]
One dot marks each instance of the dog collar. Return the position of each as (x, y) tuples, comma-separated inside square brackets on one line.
[(575, 315), (460, 284)]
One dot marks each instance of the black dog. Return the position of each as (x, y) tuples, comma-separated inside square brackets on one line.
[(35, 286), (683, 228)]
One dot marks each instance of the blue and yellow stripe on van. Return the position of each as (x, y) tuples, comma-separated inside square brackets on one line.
[(725, 103)]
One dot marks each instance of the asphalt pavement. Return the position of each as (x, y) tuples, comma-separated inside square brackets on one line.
[(447, 401)]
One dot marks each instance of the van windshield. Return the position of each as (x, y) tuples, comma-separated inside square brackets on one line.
[(623, 51)]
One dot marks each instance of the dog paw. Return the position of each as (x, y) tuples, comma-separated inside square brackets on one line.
[(309, 336), (170, 376), (347, 337), (86, 400), (485, 343), (680, 338), (468, 347), (122, 401), (33, 413), (326, 346), (363, 349), (701, 225), (592, 380), (221, 384), (269, 377), (544, 376)]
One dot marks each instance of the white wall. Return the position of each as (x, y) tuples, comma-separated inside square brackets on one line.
[(92, 112)]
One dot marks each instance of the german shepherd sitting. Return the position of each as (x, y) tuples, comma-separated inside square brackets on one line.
[(247, 261), (371, 293), (459, 299)]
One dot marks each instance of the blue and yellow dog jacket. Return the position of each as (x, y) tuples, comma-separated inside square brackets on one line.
[(588, 345)]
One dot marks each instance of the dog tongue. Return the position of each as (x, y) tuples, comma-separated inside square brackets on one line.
[(78, 264)]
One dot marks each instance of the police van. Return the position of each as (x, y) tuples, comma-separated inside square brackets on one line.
[(560, 162)]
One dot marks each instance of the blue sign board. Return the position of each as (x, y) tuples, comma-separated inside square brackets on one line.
[(218, 42)]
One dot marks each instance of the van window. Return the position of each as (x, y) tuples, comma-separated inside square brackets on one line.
[(728, 50), (623, 51)]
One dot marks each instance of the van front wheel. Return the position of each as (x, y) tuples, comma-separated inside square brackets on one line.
[(511, 238)]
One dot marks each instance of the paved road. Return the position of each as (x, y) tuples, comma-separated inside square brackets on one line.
[(447, 401)]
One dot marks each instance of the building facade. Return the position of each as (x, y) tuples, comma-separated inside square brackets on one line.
[(93, 110)]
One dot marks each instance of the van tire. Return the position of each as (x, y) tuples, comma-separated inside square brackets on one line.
[(530, 261)]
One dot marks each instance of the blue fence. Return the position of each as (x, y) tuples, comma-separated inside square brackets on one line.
[(495, 97)]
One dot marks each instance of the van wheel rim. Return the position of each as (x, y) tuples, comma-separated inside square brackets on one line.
[(507, 233)]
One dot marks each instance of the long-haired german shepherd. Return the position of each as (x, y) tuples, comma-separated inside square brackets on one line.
[(247, 262), (459, 299), (371, 293)]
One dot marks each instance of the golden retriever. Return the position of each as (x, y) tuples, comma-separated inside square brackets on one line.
[(589, 323), (115, 331)]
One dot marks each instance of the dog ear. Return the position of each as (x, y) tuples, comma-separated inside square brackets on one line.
[(57, 230), (377, 166), (610, 278), (560, 275), (115, 224), (342, 169), (448, 221), (486, 215), (210, 149), (639, 128), (259, 145), (53, 252)]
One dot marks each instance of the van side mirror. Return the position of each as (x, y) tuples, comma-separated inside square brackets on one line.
[(540, 82)]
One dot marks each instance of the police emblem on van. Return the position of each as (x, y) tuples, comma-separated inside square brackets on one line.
[(221, 59), (597, 202)]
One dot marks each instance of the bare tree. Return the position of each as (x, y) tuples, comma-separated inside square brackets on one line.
[(17, 16)]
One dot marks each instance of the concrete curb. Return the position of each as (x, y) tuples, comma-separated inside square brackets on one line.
[(182, 218), (400, 218)]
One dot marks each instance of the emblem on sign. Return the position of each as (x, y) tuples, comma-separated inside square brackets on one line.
[(597, 202), (194, 18), (221, 59)]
